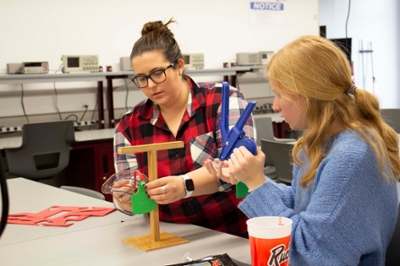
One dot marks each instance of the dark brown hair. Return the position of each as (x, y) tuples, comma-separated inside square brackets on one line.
[(156, 36)]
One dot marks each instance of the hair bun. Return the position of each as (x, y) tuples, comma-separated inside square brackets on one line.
[(157, 26), (156, 36)]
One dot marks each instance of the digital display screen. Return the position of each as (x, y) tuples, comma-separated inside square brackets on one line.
[(186, 59), (73, 61), (264, 56), (33, 64)]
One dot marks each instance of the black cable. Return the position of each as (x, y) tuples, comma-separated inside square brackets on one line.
[(4, 198), (348, 15), (76, 117), (94, 110), (55, 102), (122, 85), (55, 96), (95, 106), (126, 96), (86, 108), (22, 102)]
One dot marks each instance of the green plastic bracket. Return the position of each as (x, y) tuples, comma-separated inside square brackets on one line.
[(141, 203), (241, 190)]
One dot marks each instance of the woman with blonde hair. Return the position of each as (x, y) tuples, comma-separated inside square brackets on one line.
[(343, 198)]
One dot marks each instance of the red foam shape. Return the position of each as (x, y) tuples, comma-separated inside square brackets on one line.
[(73, 214)]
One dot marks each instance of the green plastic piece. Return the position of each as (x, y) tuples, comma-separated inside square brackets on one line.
[(241, 190), (141, 203)]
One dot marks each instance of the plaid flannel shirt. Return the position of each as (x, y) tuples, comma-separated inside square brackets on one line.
[(201, 135)]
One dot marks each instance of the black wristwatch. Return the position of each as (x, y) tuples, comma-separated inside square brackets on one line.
[(189, 185)]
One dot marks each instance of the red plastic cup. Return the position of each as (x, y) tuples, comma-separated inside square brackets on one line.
[(269, 240)]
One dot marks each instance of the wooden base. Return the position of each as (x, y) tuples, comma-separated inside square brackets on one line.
[(146, 243)]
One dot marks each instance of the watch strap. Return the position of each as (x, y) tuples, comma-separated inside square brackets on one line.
[(189, 191)]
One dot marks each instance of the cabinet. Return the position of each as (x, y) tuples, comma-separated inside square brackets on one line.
[(91, 163)]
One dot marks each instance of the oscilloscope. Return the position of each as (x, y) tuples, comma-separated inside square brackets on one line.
[(80, 63)]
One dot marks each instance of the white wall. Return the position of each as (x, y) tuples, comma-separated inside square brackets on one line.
[(374, 23), (43, 30)]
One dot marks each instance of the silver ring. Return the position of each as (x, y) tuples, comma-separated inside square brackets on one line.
[(163, 189)]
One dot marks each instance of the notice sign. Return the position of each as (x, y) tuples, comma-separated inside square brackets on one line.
[(272, 13)]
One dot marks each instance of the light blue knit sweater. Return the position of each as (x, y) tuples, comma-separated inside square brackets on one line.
[(345, 217)]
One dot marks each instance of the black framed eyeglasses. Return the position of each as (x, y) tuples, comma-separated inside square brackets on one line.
[(158, 76)]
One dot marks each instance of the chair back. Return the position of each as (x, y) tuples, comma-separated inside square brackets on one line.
[(393, 251), (392, 118), (44, 152), (264, 128), (281, 155)]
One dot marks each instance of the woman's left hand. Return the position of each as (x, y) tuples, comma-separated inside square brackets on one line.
[(166, 190), (246, 167)]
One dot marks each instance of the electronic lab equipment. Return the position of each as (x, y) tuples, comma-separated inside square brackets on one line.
[(28, 68), (194, 60), (80, 63), (247, 59), (125, 64), (265, 56), (251, 59)]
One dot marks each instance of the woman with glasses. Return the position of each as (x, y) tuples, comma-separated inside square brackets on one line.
[(178, 109)]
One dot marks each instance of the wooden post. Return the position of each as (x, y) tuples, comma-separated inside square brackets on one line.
[(154, 214), (154, 240)]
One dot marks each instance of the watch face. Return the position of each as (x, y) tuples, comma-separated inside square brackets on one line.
[(189, 184)]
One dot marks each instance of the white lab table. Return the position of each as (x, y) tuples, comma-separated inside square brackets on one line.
[(14, 141), (98, 240), (30, 196)]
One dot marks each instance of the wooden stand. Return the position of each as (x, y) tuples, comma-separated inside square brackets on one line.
[(154, 240)]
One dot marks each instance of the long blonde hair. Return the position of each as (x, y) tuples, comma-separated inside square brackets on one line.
[(315, 68)]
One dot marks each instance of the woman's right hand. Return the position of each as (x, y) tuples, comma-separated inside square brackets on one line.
[(123, 199), (125, 206), (220, 169)]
